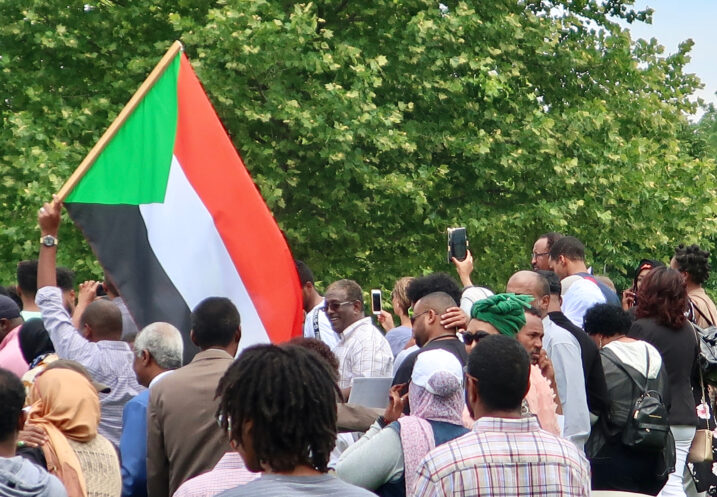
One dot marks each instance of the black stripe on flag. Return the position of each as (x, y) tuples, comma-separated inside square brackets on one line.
[(118, 237)]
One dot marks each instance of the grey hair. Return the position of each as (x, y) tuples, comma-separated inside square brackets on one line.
[(163, 342)]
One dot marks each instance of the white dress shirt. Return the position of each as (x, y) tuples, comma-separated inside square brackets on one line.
[(362, 351), (563, 351)]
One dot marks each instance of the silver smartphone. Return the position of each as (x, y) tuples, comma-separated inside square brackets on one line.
[(376, 302)]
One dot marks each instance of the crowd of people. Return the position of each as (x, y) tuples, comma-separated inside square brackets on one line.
[(543, 389)]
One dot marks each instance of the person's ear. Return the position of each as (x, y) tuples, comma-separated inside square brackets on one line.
[(527, 386), (237, 334), (545, 302), (21, 420), (4, 324), (191, 337), (87, 331), (145, 358)]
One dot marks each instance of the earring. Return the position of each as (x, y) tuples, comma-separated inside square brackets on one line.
[(600, 342)]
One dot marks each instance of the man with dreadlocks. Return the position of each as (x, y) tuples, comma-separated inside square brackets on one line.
[(278, 407)]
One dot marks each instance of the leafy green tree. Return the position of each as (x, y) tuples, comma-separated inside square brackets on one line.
[(706, 132), (370, 127)]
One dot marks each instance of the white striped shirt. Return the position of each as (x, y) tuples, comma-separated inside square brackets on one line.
[(363, 351), (107, 361)]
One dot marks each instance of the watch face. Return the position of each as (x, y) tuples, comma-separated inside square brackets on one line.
[(49, 241)]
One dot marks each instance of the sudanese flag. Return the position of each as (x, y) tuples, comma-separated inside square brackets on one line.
[(174, 217)]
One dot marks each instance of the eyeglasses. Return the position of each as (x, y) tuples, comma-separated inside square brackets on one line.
[(334, 306), (416, 316), (469, 338), (539, 254)]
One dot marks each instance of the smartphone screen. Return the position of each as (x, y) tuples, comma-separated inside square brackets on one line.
[(457, 243), (376, 301)]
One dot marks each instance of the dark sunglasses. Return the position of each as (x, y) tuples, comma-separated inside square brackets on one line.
[(469, 338), (416, 316)]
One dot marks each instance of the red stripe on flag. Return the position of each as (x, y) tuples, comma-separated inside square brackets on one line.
[(243, 220)]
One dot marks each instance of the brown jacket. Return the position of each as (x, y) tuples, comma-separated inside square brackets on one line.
[(183, 437)]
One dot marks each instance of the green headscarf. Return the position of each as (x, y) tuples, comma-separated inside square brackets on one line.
[(505, 311)]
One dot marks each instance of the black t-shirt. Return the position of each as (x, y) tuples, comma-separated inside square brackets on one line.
[(452, 345)]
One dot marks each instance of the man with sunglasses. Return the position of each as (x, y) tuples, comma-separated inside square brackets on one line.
[(362, 349), (430, 333)]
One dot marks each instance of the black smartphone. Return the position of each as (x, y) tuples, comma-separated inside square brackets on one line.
[(457, 243), (101, 290), (376, 302)]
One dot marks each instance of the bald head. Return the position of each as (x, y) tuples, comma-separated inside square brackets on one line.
[(531, 283), (438, 301), (104, 320)]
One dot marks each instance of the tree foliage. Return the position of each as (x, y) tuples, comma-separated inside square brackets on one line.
[(706, 132), (370, 127)]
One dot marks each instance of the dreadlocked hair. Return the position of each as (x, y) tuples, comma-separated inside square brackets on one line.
[(289, 395)]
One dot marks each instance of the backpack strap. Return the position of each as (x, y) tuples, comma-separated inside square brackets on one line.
[(710, 322), (610, 296), (315, 322), (619, 364), (699, 368)]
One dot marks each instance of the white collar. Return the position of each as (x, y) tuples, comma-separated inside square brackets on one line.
[(159, 377), (353, 326)]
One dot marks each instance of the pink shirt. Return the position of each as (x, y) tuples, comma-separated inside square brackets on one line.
[(229, 472), (541, 400), (10, 354)]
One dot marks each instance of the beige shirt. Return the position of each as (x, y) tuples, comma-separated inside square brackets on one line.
[(183, 437), (701, 300)]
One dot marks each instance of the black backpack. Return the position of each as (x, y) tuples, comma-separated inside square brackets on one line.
[(647, 425)]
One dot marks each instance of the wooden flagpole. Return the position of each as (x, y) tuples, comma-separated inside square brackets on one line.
[(119, 121)]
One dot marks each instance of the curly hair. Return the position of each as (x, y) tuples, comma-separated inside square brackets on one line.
[(320, 348), (694, 261), (607, 320), (289, 395), (434, 282), (663, 295)]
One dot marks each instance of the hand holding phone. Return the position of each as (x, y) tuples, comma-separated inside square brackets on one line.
[(457, 244), (376, 302)]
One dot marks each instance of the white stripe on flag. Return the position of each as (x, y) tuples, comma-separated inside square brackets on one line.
[(185, 241)]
